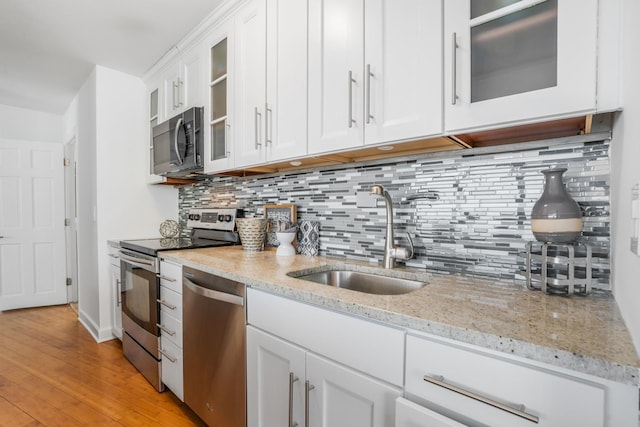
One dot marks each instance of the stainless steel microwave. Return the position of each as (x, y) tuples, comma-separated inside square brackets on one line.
[(178, 144)]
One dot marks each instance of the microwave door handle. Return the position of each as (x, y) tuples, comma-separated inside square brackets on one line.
[(175, 139)]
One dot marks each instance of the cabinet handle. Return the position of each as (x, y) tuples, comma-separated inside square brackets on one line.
[(227, 129), (368, 89), (168, 356), (268, 125), (439, 381), (307, 388), (292, 379), (119, 291), (116, 256), (166, 304), (256, 117), (167, 278), (174, 86), (351, 82), (454, 66), (180, 83), (164, 328)]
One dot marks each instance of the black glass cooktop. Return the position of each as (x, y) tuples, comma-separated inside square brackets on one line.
[(199, 239)]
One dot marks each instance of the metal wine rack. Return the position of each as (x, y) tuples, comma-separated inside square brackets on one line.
[(558, 268)]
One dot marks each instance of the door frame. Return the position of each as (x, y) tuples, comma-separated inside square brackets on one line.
[(71, 213)]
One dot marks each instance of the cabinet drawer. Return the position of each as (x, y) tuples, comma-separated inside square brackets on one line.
[(366, 346), (171, 276), (483, 379), (172, 364), (171, 303), (409, 414), (171, 328)]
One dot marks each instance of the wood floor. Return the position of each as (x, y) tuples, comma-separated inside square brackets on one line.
[(52, 373)]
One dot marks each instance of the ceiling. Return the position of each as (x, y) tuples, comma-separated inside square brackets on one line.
[(49, 47)]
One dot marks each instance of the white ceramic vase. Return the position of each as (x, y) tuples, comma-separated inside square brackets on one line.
[(285, 248)]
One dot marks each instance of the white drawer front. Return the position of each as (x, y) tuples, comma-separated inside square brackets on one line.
[(171, 303), (410, 414), (171, 276), (366, 346), (557, 400), (172, 364), (171, 328)]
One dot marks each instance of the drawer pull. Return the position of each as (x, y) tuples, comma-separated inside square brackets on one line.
[(166, 304), (168, 356), (439, 381), (167, 278), (164, 329)]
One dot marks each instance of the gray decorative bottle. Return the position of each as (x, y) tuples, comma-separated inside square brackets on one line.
[(556, 217)]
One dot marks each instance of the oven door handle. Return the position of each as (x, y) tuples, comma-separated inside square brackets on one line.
[(211, 294)]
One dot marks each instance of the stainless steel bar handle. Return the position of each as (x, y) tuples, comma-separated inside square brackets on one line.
[(256, 127), (268, 125), (368, 89), (111, 255), (175, 139), (227, 128), (167, 278), (292, 379), (166, 304), (180, 83), (167, 355), (119, 290), (351, 82), (164, 328), (439, 381), (211, 294), (454, 66), (307, 388), (174, 85)]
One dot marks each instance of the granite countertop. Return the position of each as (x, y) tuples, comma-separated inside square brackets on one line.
[(584, 334)]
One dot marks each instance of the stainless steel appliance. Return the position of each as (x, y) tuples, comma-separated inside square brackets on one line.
[(178, 145), (214, 348), (140, 278)]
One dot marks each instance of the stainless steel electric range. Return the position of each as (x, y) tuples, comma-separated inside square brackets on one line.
[(140, 277)]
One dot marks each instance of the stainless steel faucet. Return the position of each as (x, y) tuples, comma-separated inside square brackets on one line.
[(391, 253)]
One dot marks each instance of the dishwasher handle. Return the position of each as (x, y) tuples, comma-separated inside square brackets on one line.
[(215, 295)]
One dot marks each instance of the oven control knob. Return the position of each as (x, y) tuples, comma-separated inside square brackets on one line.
[(194, 217), (227, 218), (220, 217)]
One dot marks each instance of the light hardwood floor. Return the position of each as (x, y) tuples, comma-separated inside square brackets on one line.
[(52, 373)]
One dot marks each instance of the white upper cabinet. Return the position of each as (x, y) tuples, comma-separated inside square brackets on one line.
[(375, 72), (271, 81), (219, 123), (250, 88), (510, 61), (183, 84), (286, 103)]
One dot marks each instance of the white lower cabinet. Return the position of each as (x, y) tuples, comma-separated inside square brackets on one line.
[(289, 385), (350, 368), (171, 327), (409, 414), (464, 385), (116, 301)]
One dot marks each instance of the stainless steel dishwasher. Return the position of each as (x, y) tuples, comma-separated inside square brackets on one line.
[(214, 346)]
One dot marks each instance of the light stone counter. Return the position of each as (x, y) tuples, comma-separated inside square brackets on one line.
[(584, 334)]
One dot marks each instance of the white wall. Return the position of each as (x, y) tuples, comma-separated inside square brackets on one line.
[(114, 201), (30, 125), (625, 172)]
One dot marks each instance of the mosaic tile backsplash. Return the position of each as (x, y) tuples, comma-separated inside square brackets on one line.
[(468, 211)]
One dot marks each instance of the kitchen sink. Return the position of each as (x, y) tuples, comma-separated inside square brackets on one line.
[(362, 282)]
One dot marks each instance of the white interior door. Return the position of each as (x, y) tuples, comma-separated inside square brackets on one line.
[(32, 247)]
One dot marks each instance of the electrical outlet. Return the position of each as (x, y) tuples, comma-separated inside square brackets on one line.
[(366, 200)]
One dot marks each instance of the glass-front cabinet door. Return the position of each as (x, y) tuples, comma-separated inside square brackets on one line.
[(516, 61), (218, 131)]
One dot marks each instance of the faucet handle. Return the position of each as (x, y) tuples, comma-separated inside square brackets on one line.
[(404, 253)]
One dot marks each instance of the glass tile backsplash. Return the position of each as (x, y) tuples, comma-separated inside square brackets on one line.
[(468, 211)]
